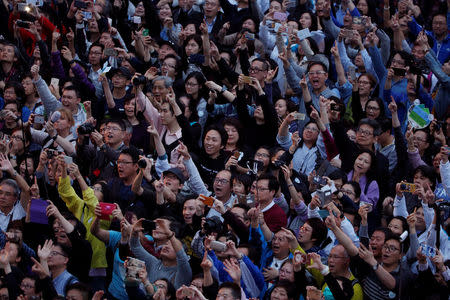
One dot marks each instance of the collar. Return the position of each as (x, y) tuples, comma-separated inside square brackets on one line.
[(268, 206)]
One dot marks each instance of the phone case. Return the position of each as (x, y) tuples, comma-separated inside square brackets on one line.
[(208, 201), (107, 209)]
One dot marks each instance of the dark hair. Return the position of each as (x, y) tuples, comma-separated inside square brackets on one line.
[(385, 124), (132, 152), (373, 165), (428, 172), (287, 286), (408, 58), (356, 188), (177, 61), (245, 179), (313, 63), (18, 90), (170, 288), (119, 122), (65, 249), (387, 232), (338, 174), (96, 44), (401, 219), (222, 132), (319, 230), (72, 88), (266, 64), (372, 123), (273, 185), (313, 16), (81, 287), (396, 238), (202, 91), (197, 38), (235, 289)]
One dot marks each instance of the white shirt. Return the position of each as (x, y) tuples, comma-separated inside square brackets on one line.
[(17, 213)]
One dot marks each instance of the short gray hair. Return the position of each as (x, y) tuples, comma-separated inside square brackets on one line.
[(167, 81), (12, 183)]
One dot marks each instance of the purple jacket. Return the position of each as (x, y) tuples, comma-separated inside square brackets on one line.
[(373, 193)]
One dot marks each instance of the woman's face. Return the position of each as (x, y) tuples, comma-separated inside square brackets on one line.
[(305, 20), (421, 180), (363, 7), (28, 286), (396, 226), (263, 156), (420, 140), (233, 134), (281, 108), (249, 25), (140, 10), (364, 86), (98, 191), (189, 29), (287, 272), (349, 191), (192, 87), (362, 163), (372, 110), (212, 143), (192, 47), (130, 108), (165, 12), (62, 124), (279, 293), (26, 165), (311, 132), (189, 209)]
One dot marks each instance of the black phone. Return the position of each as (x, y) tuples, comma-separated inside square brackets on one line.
[(335, 107), (22, 24), (148, 225), (399, 71)]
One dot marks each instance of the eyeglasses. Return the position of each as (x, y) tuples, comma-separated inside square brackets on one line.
[(96, 53), (262, 155), (255, 70), (121, 162), (191, 84), (221, 180), (347, 192), (97, 189), (7, 194), (26, 286), (115, 129), (17, 138), (390, 248), (168, 66), (258, 188), (312, 129), (312, 73), (53, 253), (419, 139), (363, 82), (364, 132), (373, 108)]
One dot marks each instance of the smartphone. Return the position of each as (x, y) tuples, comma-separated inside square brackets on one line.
[(87, 15), (358, 20), (132, 270), (247, 79), (352, 73), (361, 204), (54, 82), (39, 119), (238, 155), (145, 32), (68, 159), (399, 71), (280, 16), (38, 211), (299, 116), (447, 149), (80, 4), (335, 107), (136, 20), (407, 187), (187, 292), (107, 209), (249, 36), (148, 225), (196, 59), (291, 4), (218, 246), (22, 24), (23, 7), (110, 52), (319, 180), (324, 196), (303, 34), (428, 250), (208, 201)]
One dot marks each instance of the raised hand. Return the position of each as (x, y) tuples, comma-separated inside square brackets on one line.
[(44, 251), (233, 269), (316, 262), (367, 255)]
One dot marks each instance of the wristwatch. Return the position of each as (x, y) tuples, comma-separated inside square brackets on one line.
[(375, 267)]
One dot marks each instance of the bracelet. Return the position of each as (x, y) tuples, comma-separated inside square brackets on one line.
[(55, 137)]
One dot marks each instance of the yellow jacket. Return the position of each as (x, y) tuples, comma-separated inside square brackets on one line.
[(83, 209)]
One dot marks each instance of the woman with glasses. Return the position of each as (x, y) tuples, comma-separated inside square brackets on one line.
[(362, 91), (194, 85)]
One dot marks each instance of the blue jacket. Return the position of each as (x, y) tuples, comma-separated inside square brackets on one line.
[(442, 99), (442, 49)]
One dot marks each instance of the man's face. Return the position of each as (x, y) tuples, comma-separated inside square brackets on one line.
[(57, 257), (391, 252), (74, 294), (263, 194), (10, 94), (172, 182), (159, 90), (212, 143), (377, 242), (211, 8), (338, 260), (95, 55), (28, 86), (125, 166), (446, 67), (258, 71), (420, 140), (7, 197), (364, 136), (439, 25), (222, 184), (317, 76), (225, 294), (168, 252), (280, 245), (7, 54), (70, 100), (311, 133), (166, 114), (119, 80), (168, 67), (240, 214), (106, 40), (113, 134), (165, 50), (13, 253), (398, 62)]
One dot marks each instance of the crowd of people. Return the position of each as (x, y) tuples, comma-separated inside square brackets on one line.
[(224, 149)]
